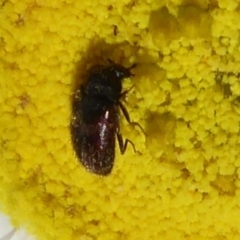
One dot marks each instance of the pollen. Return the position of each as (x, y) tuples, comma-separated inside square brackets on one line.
[(184, 180)]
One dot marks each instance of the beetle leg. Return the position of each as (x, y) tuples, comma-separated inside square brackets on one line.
[(123, 94), (126, 115), (123, 145)]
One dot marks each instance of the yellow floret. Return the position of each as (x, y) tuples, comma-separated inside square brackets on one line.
[(185, 183)]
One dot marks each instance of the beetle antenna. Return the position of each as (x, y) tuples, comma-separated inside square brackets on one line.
[(133, 66), (110, 61)]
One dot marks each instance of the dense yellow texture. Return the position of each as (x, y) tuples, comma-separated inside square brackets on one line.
[(185, 185)]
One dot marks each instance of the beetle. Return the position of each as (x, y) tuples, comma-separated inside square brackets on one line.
[(95, 117)]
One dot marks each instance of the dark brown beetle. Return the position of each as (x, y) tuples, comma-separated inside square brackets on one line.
[(95, 122)]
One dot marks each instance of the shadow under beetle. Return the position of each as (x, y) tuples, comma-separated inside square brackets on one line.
[(95, 121)]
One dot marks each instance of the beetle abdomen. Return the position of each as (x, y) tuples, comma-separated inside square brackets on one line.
[(95, 143)]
